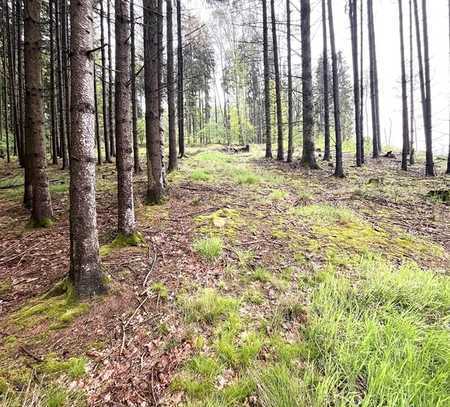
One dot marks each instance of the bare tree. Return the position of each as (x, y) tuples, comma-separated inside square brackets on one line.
[(326, 90), (429, 168), (353, 14), (289, 90), (276, 62), (85, 271), (308, 155), (124, 142), (339, 170), (106, 128), (134, 114), (412, 155), (180, 82), (170, 90), (34, 115), (267, 81), (374, 96), (155, 167), (405, 149)]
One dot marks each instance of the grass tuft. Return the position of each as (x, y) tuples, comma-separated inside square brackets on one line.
[(209, 248), (207, 306)]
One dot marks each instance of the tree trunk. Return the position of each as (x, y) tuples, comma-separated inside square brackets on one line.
[(448, 159), (20, 73), (112, 141), (60, 85), (267, 95), (326, 91), (290, 100), (155, 168), (54, 132), (124, 142), (85, 270), (97, 125), (106, 129), (134, 116), (42, 208), (4, 87), (308, 154), (339, 170), (405, 118), (180, 78), (171, 91), (429, 169), (65, 70), (376, 141), (280, 149), (353, 13), (412, 152), (361, 28)]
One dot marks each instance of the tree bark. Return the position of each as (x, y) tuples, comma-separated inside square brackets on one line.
[(97, 125), (376, 139), (276, 62), (106, 128), (405, 118), (34, 116), (361, 56), (61, 88), (429, 168), (448, 159), (54, 133), (170, 90), (134, 115), (289, 91), (65, 72), (112, 141), (180, 78), (326, 91), (339, 170), (308, 154), (155, 168), (124, 142), (267, 95), (412, 152), (353, 14), (85, 270)]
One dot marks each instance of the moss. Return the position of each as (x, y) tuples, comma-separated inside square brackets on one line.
[(40, 223), (121, 241), (58, 306), (223, 222), (73, 367), (5, 286), (160, 290), (4, 386)]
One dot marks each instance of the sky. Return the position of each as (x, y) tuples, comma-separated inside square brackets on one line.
[(388, 49)]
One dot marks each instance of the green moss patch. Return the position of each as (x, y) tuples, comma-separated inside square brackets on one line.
[(59, 307), (121, 241)]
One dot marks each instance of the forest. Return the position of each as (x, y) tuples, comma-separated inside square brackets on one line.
[(223, 203)]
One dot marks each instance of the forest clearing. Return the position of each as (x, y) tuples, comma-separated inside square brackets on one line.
[(224, 203), (257, 283)]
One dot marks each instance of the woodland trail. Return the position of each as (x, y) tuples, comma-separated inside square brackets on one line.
[(243, 293)]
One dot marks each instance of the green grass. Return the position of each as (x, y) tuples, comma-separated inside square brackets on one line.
[(207, 305), (209, 248), (200, 175), (383, 339)]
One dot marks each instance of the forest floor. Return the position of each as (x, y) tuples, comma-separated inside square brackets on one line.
[(260, 284)]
